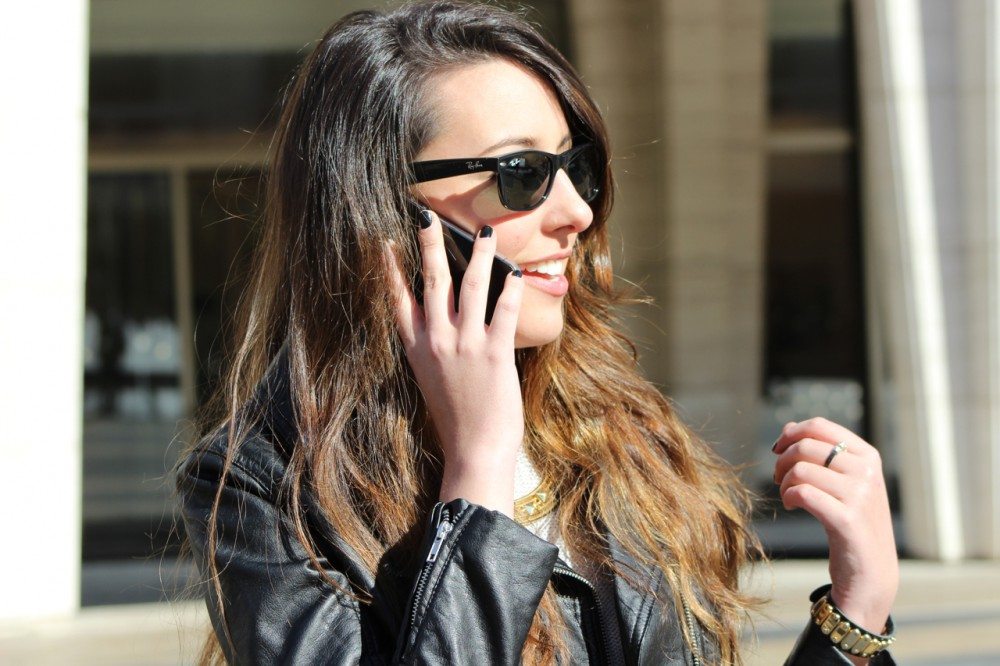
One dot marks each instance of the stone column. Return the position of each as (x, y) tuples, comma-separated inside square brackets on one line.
[(715, 87), (978, 96), (43, 125), (618, 47), (906, 213), (682, 84)]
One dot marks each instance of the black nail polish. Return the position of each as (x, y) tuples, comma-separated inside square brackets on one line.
[(486, 231), (517, 273), (425, 219)]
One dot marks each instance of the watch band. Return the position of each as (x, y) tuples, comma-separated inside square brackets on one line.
[(842, 632)]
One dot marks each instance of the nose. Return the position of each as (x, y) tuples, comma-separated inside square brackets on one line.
[(566, 208)]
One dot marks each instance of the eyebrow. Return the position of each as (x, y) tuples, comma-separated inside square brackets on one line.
[(526, 141)]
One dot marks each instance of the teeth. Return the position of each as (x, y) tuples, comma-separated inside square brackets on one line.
[(553, 267)]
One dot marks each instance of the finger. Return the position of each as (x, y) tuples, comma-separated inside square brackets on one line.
[(409, 318), (476, 283), (826, 508), (436, 275), (805, 450), (823, 478), (503, 326), (820, 429), (780, 444)]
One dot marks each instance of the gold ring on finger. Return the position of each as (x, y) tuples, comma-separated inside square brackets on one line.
[(839, 448)]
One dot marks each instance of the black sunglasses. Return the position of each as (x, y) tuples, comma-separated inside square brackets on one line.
[(524, 178)]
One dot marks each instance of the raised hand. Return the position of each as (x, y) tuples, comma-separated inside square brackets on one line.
[(847, 494), (465, 368)]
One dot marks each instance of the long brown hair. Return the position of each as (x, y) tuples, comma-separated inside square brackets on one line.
[(621, 460)]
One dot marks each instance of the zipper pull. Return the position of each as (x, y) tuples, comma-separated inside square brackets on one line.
[(442, 532)]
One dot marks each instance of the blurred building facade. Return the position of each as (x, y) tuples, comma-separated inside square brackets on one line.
[(808, 189)]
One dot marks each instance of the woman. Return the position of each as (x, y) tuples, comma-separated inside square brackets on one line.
[(355, 502)]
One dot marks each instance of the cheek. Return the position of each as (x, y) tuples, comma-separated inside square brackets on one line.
[(511, 240), (485, 204)]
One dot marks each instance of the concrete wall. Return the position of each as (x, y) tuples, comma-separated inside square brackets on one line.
[(43, 66)]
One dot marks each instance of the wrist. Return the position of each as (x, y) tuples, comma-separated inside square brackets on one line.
[(870, 615), (486, 482)]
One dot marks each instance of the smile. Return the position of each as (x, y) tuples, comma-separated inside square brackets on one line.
[(547, 276), (552, 268)]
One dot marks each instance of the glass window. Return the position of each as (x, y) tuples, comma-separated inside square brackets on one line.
[(815, 351), (132, 394), (815, 318), (140, 93), (814, 293), (811, 69)]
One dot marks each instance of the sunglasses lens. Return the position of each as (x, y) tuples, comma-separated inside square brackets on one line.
[(582, 171), (524, 179)]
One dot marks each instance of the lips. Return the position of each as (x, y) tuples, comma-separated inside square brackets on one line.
[(555, 285), (548, 275)]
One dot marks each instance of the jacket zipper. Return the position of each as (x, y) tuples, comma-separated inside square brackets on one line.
[(442, 533), (693, 633), (443, 525), (602, 632)]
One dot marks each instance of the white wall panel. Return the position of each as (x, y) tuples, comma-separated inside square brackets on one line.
[(42, 240)]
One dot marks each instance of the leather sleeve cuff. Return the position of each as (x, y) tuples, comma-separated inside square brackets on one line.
[(482, 590)]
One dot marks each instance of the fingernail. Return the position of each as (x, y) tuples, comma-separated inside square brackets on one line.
[(775, 445), (517, 272), (425, 219), (486, 231)]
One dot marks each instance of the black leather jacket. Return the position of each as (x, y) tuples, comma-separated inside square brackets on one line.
[(471, 599)]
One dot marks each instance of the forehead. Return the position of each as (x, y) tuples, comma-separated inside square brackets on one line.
[(480, 104)]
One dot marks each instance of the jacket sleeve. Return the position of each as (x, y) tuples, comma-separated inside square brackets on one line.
[(814, 648), (472, 602)]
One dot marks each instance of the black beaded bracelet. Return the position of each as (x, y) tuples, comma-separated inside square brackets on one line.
[(845, 634)]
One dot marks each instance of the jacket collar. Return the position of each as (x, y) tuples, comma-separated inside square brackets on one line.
[(273, 398), (640, 600)]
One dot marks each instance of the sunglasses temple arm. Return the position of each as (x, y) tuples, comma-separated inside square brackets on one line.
[(435, 169)]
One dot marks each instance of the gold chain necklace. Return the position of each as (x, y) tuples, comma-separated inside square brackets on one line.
[(538, 503)]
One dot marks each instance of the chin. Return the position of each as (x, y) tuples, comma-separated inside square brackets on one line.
[(535, 332)]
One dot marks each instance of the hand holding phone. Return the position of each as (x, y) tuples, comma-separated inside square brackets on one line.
[(458, 246), (467, 372)]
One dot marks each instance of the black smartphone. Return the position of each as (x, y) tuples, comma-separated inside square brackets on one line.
[(458, 247)]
